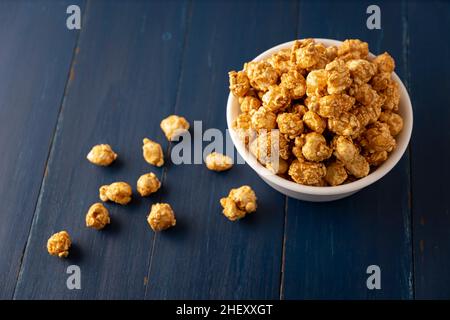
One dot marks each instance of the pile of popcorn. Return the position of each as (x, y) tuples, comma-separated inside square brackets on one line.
[(321, 116)]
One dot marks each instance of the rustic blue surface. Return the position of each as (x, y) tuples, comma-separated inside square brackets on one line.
[(135, 62)]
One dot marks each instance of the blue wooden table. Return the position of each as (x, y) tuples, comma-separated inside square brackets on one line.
[(135, 62)]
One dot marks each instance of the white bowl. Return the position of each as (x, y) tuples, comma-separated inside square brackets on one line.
[(320, 194)]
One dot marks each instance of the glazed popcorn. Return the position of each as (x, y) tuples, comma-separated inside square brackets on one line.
[(161, 217), (152, 152), (317, 115), (147, 184), (173, 126), (102, 155), (218, 162), (118, 192), (239, 203), (97, 216), (59, 244)]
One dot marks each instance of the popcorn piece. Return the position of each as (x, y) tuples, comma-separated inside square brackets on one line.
[(333, 105), (161, 217), (338, 76), (358, 167), (263, 119), (305, 53), (152, 152), (391, 96), (384, 63), (316, 83), (269, 146), (308, 173), (239, 83), (336, 173), (331, 53), (59, 244), (353, 49), (147, 184), (378, 138), (298, 109), (381, 81), (261, 74), (281, 61), (102, 155), (239, 203), (393, 120), (364, 93), (118, 192), (278, 167), (345, 125), (97, 216), (314, 122), (218, 162), (250, 103), (299, 142), (344, 149), (276, 98), (367, 114), (174, 126), (242, 126), (361, 70), (295, 83), (290, 124), (315, 147), (376, 158)]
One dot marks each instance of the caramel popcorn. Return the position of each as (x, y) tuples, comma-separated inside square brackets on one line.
[(97, 216), (102, 155), (161, 217), (317, 115), (147, 184), (118, 192), (173, 126), (239, 203), (59, 244), (152, 152), (239, 83), (218, 162)]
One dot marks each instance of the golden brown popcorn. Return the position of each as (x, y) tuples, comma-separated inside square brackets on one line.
[(118, 192), (344, 149), (353, 49), (102, 155), (250, 103), (312, 103), (218, 162), (239, 83), (316, 83), (314, 122), (322, 58), (152, 152), (384, 63), (308, 173), (297, 108), (173, 126), (281, 61), (364, 93), (358, 167), (270, 145), (381, 81), (290, 124), (338, 76), (376, 158), (278, 167), (315, 147), (361, 70), (161, 217), (331, 53), (295, 83), (97, 216), (147, 184), (263, 119), (391, 96), (299, 142), (59, 244), (276, 98), (239, 202), (393, 120), (346, 124), (378, 138), (333, 105), (242, 126), (305, 53), (336, 173), (261, 74)]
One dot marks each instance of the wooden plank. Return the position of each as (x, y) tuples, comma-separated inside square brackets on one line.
[(330, 245), (35, 56), (428, 24), (206, 256), (124, 81)]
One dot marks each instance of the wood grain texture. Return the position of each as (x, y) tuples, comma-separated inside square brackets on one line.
[(429, 24), (206, 256), (35, 55), (123, 82), (330, 245)]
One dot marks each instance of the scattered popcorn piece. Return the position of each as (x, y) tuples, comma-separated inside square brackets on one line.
[(147, 184), (97, 216), (102, 155), (218, 162), (239, 203), (174, 126), (152, 152), (161, 217), (59, 244), (118, 192)]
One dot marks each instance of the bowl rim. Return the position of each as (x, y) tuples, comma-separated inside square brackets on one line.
[(381, 171)]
